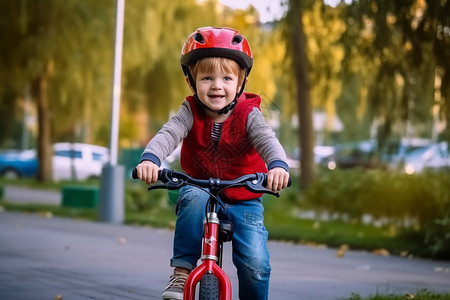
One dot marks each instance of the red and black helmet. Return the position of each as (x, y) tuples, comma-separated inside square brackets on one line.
[(216, 42)]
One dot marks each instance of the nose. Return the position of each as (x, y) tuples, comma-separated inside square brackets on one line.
[(216, 84)]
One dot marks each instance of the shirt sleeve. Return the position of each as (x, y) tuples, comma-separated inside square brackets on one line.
[(265, 142), (170, 135)]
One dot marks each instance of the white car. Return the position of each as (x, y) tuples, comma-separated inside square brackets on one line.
[(77, 161), (434, 157)]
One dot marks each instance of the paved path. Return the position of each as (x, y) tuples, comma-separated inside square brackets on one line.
[(41, 258), (20, 194)]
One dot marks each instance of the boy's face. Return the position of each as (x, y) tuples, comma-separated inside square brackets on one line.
[(217, 88)]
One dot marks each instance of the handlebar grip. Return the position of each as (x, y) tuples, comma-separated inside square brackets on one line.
[(134, 174), (265, 181)]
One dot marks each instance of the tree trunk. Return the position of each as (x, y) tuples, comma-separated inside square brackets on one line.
[(300, 62), (45, 151)]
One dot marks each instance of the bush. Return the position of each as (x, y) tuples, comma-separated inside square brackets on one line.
[(419, 204), (139, 199)]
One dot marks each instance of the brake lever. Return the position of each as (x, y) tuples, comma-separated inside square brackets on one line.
[(169, 182), (169, 185), (257, 185)]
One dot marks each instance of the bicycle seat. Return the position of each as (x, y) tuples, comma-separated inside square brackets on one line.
[(226, 229)]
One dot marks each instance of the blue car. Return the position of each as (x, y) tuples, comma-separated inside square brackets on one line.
[(18, 163)]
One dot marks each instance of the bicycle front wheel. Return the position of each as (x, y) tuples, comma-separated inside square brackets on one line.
[(209, 287)]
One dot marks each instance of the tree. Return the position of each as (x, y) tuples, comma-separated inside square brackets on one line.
[(405, 43), (300, 65), (59, 50)]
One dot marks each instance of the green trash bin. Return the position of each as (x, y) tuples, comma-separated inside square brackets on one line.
[(80, 196)]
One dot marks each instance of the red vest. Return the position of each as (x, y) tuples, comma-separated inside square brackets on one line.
[(234, 156)]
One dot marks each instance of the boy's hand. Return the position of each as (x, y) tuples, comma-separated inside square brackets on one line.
[(277, 179), (147, 171)]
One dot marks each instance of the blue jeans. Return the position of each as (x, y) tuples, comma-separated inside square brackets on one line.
[(250, 252)]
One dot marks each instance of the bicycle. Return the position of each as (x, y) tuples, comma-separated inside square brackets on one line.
[(214, 282)]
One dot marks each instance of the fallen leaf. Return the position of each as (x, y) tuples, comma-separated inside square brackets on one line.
[(344, 247), (404, 254), (382, 252), (340, 253), (46, 214), (171, 225)]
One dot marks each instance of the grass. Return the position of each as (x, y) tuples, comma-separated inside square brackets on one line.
[(282, 224), (420, 295), (50, 210)]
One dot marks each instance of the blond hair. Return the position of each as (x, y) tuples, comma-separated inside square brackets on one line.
[(208, 64)]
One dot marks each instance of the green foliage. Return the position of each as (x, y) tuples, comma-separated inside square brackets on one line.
[(416, 206), (74, 38), (286, 221), (395, 50), (138, 199), (49, 210)]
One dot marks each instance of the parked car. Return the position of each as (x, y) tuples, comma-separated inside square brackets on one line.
[(351, 155), (395, 152), (70, 161), (18, 163), (320, 153), (434, 157), (368, 154), (77, 161)]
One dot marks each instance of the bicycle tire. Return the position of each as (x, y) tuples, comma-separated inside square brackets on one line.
[(209, 287)]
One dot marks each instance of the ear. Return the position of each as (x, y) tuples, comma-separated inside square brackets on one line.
[(189, 83)]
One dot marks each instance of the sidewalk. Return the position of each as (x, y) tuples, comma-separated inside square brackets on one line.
[(41, 258), (20, 194)]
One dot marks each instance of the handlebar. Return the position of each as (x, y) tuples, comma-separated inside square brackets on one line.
[(174, 180)]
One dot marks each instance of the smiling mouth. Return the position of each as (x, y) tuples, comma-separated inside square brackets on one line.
[(217, 97)]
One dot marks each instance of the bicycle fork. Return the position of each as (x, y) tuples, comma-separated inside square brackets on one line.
[(209, 259)]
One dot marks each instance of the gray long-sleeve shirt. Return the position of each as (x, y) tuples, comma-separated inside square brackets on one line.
[(177, 128)]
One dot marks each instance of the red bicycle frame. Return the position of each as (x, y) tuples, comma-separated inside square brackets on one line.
[(210, 258)]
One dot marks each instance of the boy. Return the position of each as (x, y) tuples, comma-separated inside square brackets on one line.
[(224, 136)]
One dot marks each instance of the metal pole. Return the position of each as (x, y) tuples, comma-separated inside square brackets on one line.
[(111, 206), (116, 82)]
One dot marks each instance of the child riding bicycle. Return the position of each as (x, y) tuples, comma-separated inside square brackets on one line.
[(224, 136)]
